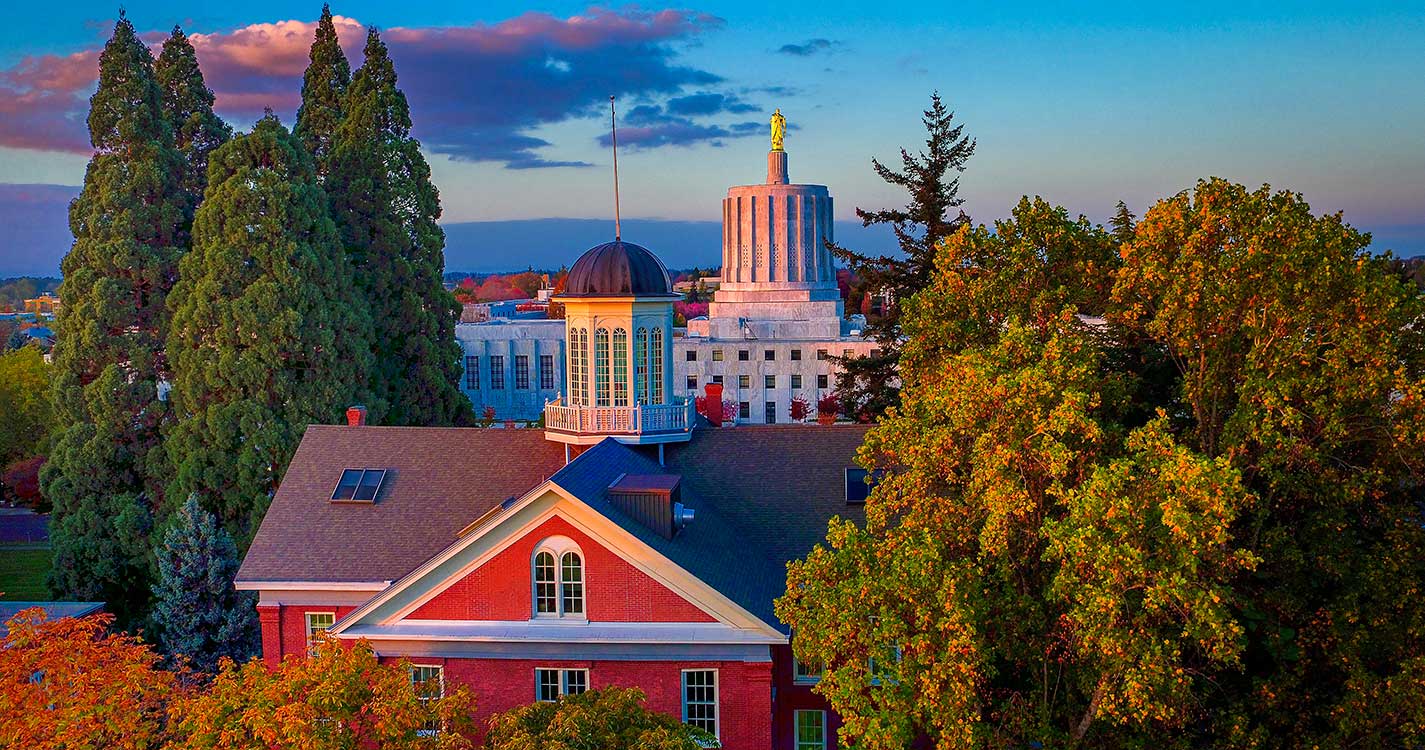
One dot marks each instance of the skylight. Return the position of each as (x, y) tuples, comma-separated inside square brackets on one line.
[(359, 485)]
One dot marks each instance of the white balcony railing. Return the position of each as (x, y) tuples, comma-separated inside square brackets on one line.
[(619, 420)]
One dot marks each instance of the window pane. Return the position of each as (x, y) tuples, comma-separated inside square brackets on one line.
[(546, 683), (497, 372), (655, 366), (640, 365), (346, 486), (700, 699), (769, 381), (572, 580), (472, 373), (522, 372), (318, 622), (370, 484), (545, 601), (811, 730), (546, 372), (601, 368), (576, 681), (620, 367)]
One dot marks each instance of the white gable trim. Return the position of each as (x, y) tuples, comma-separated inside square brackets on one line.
[(504, 528)]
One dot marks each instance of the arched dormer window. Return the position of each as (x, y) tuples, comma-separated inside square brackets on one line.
[(558, 569)]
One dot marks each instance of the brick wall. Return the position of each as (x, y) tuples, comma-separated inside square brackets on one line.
[(793, 697), (744, 689), (614, 591), (284, 629)]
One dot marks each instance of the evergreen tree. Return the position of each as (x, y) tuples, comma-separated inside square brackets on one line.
[(188, 105), (1123, 223), (196, 609), (323, 89), (386, 209), (267, 332), (109, 355), (867, 385)]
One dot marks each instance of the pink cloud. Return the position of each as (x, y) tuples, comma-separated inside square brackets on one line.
[(475, 91)]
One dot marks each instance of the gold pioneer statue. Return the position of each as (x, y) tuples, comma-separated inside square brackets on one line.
[(779, 129)]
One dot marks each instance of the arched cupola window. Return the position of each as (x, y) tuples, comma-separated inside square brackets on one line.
[(558, 568), (620, 367)]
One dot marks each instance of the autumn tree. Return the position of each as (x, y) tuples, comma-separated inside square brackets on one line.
[(341, 698), (1192, 525), (610, 719), (386, 208), (199, 616), (323, 89), (105, 472), (867, 385), (188, 106), (268, 333), (69, 683)]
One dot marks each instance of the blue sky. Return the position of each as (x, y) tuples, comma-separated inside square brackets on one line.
[(1082, 106)]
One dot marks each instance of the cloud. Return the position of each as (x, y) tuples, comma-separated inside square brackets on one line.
[(809, 47), (477, 92)]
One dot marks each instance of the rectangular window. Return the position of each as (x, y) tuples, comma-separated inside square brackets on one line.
[(858, 488), (472, 373), (318, 622), (717, 379), (848, 353), (546, 372), (429, 684), (796, 381), (821, 354), (551, 684), (822, 381), (744, 410), (692, 382), (640, 366), (743, 355), (497, 372), (744, 381), (771, 412), (655, 366), (770, 355), (521, 372), (811, 730), (805, 674), (769, 381), (692, 355), (717, 355), (796, 355), (700, 699)]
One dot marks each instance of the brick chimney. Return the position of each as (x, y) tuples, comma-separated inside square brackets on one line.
[(713, 404), (356, 415)]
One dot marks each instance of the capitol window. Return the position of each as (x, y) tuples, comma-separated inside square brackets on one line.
[(558, 579), (717, 355)]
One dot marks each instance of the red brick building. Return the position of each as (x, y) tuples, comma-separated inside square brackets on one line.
[(627, 544)]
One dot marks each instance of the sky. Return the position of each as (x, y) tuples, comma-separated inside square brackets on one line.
[(1081, 105)]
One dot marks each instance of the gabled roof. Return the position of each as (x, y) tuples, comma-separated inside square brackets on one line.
[(439, 480)]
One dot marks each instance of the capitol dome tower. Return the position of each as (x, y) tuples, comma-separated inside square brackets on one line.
[(775, 265)]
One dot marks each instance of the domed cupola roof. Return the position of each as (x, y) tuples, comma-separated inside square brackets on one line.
[(617, 269)]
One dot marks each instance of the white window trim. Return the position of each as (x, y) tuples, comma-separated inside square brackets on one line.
[(563, 680), (307, 623), (557, 546), (440, 669), (717, 697), (797, 725)]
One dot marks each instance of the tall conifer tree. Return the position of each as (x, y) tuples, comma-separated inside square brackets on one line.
[(268, 332), (109, 356), (198, 613), (188, 105), (1123, 223), (386, 209), (867, 386), (323, 88)]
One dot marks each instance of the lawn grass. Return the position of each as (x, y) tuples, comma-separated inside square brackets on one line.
[(22, 574)]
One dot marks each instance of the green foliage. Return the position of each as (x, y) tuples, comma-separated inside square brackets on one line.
[(102, 475), (867, 386), (188, 106), (610, 719), (386, 209), (25, 412), (198, 613), (323, 89), (268, 332), (1196, 524)]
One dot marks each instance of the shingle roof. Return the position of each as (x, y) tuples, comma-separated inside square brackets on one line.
[(440, 480), (762, 496)]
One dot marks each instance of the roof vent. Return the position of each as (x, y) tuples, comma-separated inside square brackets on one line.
[(652, 500)]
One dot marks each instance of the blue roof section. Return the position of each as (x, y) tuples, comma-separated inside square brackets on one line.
[(710, 547), (52, 610)]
